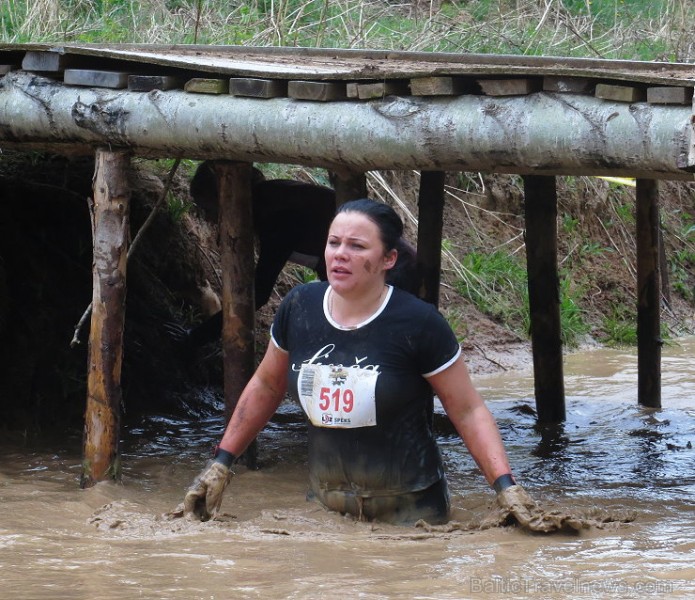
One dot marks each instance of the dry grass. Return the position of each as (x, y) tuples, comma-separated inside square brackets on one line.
[(630, 29)]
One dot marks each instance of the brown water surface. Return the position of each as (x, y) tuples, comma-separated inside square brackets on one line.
[(610, 457)]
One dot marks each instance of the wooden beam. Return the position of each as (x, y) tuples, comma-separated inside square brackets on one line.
[(439, 86), (510, 87), (147, 83), (648, 295), (429, 234), (205, 85), (319, 91), (257, 88), (237, 262), (380, 89), (47, 62), (670, 95), (568, 85), (620, 93), (544, 297), (93, 78), (101, 458)]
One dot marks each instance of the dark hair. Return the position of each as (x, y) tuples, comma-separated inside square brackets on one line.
[(382, 215)]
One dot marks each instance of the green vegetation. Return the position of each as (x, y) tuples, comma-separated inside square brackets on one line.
[(634, 29), (620, 327), (498, 286), (596, 218)]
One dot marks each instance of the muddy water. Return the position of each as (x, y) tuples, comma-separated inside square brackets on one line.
[(610, 458)]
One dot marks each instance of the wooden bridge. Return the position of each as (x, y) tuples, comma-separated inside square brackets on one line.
[(349, 111)]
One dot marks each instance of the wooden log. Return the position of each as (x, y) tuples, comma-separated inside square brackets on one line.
[(429, 234), (649, 340), (544, 297), (457, 133), (257, 88), (238, 302), (101, 458), (348, 185), (92, 78)]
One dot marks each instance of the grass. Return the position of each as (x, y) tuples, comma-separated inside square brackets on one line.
[(498, 286), (634, 29), (620, 327)]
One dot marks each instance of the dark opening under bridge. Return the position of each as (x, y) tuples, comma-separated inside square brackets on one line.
[(349, 111)]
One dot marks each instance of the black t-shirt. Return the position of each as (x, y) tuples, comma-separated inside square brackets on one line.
[(364, 390)]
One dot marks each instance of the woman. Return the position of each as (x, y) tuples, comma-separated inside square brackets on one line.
[(362, 358)]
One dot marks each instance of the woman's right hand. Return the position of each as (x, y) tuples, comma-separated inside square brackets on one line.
[(204, 497)]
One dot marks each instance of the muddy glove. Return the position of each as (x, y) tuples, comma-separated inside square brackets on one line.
[(204, 497), (520, 507), (517, 503)]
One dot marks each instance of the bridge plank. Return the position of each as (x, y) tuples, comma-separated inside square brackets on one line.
[(352, 65)]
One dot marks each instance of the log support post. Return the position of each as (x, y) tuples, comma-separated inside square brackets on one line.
[(101, 458), (348, 185), (544, 297), (238, 302), (429, 235), (648, 295)]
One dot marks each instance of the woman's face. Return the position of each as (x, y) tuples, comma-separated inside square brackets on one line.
[(355, 255)]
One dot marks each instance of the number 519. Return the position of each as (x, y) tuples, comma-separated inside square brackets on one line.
[(337, 399)]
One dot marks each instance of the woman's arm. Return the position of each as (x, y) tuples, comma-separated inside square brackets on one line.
[(258, 402), (472, 419)]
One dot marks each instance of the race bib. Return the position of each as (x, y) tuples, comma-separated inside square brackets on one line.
[(336, 396)]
